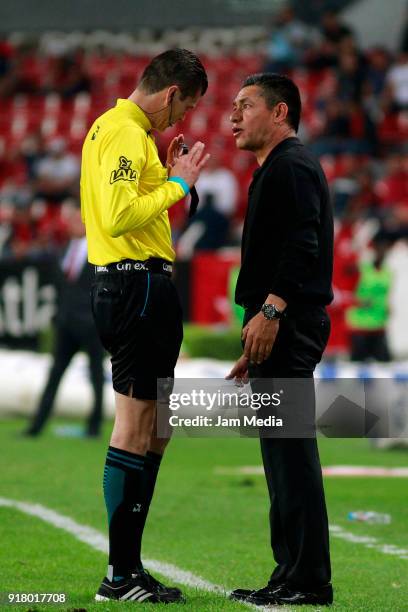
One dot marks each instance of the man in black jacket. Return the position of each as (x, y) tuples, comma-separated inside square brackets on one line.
[(284, 285), (74, 330)]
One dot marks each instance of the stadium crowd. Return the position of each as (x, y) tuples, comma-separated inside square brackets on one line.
[(355, 118)]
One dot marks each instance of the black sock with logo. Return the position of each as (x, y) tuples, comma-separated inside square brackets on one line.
[(124, 487), (152, 466)]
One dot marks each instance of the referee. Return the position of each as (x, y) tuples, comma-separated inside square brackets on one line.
[(284, 285), (125, 194)]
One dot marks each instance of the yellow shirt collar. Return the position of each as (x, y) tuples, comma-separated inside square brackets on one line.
[(135, 112)]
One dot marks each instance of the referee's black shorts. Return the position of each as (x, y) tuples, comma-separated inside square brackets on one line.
[(139, 319)]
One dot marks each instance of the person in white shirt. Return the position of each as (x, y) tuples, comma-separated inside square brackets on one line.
[(57, 174), (397, 83), (221, 183)]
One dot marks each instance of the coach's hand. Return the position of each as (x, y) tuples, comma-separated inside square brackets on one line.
[(174, 151), (259, 336), (240, 371), (189, 166)]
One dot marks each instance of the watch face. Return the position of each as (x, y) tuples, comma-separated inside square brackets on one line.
[(270, 311)]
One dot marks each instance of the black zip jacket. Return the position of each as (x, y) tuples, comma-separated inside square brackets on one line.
[(287, 241)]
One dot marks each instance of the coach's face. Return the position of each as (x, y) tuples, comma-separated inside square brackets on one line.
[(253, 123)]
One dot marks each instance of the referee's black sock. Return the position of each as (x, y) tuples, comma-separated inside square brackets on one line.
[(151, 470), (125, 497)]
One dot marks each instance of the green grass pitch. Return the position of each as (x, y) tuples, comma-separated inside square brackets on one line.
[(212, 525)]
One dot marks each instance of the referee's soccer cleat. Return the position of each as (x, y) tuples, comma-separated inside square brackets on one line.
[(135, 589), (173, 594)]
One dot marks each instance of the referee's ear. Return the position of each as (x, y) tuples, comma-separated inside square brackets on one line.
[(171, 92)]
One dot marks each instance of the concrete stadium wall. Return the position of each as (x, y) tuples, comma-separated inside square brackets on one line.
[(129, 15), (377, 22)]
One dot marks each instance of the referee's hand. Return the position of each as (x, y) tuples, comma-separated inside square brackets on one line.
[(189, 166), (174, 151)]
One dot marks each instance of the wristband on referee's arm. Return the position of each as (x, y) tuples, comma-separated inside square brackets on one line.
[(182, 182)]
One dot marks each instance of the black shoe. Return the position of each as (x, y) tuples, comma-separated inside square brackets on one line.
[(173, 594), (31, 432), (90, 433), (92, 430), (287, 596), (128, 589), (244, 594), (240, 594)]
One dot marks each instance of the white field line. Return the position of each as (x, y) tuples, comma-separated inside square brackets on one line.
[(335, 470), (369, 542), (99, 542)]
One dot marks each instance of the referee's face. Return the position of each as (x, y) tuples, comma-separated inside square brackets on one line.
[(176, 109), (253, 123)]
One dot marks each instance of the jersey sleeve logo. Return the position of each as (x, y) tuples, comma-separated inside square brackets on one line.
[(124, 172)]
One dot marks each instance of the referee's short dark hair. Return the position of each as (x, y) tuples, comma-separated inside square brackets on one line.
[(175, 67), (278, 88)]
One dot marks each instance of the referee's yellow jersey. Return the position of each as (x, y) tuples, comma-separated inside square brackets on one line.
[(125, 191)]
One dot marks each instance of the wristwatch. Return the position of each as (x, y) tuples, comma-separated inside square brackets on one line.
[(270, 312)]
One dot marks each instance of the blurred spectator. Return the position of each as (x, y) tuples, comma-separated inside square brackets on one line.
[(210, 226), (378, 62), (350, 77), (392, 189), (21, 70), (57, 173), (19, 229), (206, 231), (344, 186), (6, 66), (29, 228), (396, 92), (67, 76), (321, 56), (354, 193), (219, 182), (345, 129), (32, 151), (376, 73), (13, 170), (364, 202), (333, 34), (368, 318), (332, 29), (287, 42)]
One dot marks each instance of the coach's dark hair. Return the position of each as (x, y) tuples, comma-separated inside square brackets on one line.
[(175, 67), (278, 88)]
